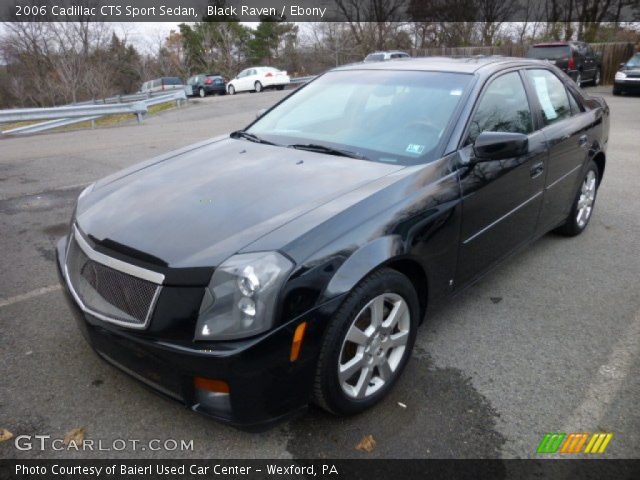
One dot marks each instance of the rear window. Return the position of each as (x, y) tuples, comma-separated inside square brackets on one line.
[(551, 53), (171, 81), (374, 57)]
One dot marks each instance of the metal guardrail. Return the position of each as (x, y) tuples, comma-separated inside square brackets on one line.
[(131, 97), (71, 114), (91, 110), (303, 79), (28, 114)]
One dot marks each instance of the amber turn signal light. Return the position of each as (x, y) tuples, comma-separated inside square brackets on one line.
[(210, 385), (296, 345)]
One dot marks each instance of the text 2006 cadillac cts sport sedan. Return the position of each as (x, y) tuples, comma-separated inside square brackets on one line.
[(294, 260)]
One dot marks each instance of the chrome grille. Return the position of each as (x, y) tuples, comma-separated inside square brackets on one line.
[(108, 293)]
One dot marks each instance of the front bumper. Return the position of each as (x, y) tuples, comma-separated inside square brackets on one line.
[(631, 86), (264, 385)]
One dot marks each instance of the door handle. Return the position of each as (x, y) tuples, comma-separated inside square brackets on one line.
[(582, 141), (537, 169)]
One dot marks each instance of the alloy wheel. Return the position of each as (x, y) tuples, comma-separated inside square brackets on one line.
[(374, 346), (201, 92), (587, 197)]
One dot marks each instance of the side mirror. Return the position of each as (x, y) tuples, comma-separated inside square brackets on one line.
[(622, 65), (260, 112), (499, 145)]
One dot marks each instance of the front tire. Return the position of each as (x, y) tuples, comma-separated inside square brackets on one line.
[(368, 344), (232, 90), (583, 204), (579, 79), (596, 78)]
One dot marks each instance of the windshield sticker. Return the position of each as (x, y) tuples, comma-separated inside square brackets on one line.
[(415, 148), (545, 100)]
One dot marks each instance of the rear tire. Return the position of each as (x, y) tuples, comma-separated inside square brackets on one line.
[(280, 87), (367, 344), (579, 79), (258, 87), (202, 93), (583, 204)]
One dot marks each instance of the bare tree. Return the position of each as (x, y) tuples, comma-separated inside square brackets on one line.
[(374, 24), (493, 14)]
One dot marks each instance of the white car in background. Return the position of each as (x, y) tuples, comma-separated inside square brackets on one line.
[(256, 79)]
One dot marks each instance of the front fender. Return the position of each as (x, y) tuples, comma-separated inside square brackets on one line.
[(363, 261)]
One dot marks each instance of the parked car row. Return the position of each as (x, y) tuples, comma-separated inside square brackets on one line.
[(254, 79), (576, 59)]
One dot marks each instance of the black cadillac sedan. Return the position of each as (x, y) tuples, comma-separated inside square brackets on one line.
[(293, 261)]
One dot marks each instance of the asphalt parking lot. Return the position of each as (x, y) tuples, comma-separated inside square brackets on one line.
[(548, 342)]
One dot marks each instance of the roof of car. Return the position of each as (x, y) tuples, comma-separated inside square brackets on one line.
[(445, 64), (387, 51)]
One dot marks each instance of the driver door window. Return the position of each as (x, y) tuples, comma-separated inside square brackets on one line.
[(503, 108)]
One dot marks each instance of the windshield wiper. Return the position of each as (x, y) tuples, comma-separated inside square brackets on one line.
[(250, 136), (314, 147)]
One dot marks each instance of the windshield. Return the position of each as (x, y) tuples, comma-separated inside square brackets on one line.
[(634, 62), (551, 53), (388, 116)]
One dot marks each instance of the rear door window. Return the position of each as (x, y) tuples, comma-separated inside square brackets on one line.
[(375, 57), (552, 96), (171, 81), (549, 52)]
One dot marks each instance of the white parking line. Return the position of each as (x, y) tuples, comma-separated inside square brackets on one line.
[(610, 379), (26, 296)]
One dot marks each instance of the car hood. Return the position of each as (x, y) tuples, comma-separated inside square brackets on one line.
[(201, 206)]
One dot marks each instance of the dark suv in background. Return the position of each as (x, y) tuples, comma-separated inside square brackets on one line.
[(207, 84), (576, 59)]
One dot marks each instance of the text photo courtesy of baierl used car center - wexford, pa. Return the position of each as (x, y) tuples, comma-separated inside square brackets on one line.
[(332, 238)]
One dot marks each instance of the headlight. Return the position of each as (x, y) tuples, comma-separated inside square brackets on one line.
[(621, 75), (241, 298)]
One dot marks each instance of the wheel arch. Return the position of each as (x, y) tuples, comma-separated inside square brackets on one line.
[(600, 160), (384, 252)]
